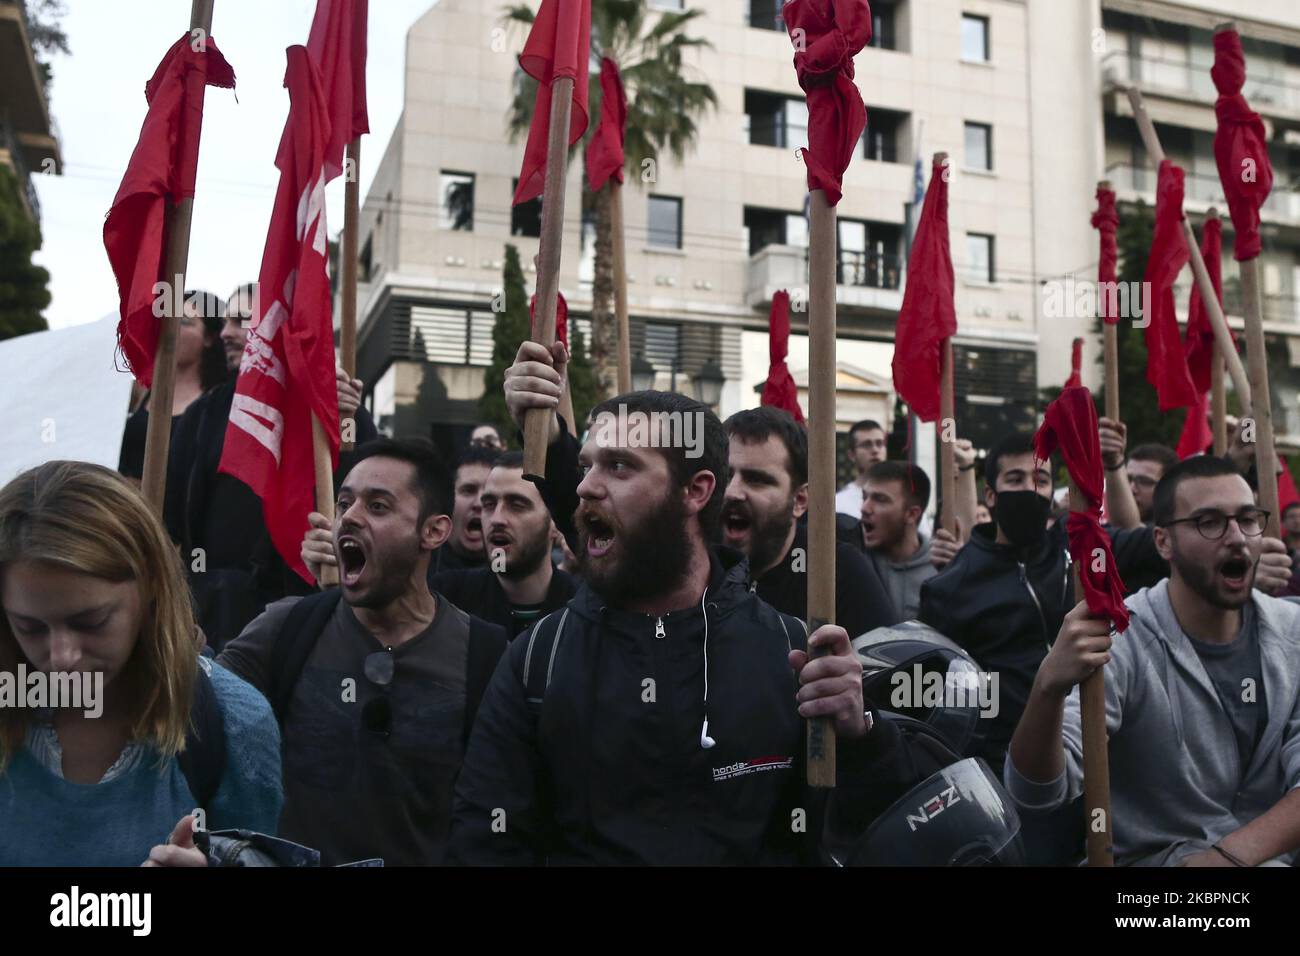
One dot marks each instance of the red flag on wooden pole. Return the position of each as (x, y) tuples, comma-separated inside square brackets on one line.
[(1166, 361), (605, 150), (286, 377), (779, 390)]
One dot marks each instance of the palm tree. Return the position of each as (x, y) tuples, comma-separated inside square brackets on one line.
[(663, 104)]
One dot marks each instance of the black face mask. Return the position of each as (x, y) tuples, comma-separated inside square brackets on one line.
[(1022, 516)]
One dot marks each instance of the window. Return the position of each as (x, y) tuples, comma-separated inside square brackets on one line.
[(882, 26), (457, 192), (974, 38), (868, 254), (665, 222), (880, 138), (526, 218), (766, 15), (979, 257), (774, 227), (776, 120), (365, 262), (979, 146)]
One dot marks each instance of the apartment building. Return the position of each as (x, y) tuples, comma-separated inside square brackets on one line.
[(28, 142), (1166, 50)]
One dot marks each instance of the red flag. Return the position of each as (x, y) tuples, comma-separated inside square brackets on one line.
[(561, 319), (1106, 221), (1196, 436), (1240, 146), (1199, 341), (1286, 489), (1166, 361), (827, 34), (337, 45), (287, 372), (163, 168), (779, 390), (1071, 424), (558, 45), (605, 151), (927, 316), (1076, 365)]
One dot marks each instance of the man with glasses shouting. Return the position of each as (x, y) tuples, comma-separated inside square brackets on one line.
[(375, 683), (1202, 691)]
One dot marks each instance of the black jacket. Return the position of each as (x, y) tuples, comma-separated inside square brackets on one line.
[(1006, 607), (613, 772), (861, 602), (477, 591)]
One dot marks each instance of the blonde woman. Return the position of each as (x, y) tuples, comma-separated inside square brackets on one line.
[(143, 731)]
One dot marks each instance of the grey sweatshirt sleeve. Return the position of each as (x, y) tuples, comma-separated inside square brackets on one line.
[(1290, 750), (1048, 796), (249, 655)]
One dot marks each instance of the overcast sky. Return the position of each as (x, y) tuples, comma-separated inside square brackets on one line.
[(97, 99)]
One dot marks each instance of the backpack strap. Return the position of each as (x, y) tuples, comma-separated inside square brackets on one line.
[(487, 642), (203, 761), (293, 645), (539, 659)]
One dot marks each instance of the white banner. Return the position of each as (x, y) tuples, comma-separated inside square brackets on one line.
[(62, 397)]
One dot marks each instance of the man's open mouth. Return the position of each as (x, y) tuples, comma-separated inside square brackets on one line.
[(1235, 572), (600, 535), (499, 539), (736, 522), (352, 559)]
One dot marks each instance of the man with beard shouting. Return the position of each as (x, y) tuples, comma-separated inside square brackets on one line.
[(658, 717), (1202, 694), (766, 497)]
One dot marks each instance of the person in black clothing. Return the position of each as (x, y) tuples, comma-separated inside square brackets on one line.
[(199, 366), (234, 571), (767, 494), (464, 549), (375, 683), (661, 723)]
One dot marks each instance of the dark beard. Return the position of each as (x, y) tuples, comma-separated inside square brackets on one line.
[(649, 559), (1201, 580), (767, 537), (392, 583), (529, 555)]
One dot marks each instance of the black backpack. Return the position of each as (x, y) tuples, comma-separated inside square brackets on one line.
[(307, 619), (203, 761)]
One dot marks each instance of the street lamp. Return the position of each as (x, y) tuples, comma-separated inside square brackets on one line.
[(708, 383), (643, 374)]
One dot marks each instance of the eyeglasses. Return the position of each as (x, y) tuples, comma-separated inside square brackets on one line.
[(1213, 524), (377, 714)]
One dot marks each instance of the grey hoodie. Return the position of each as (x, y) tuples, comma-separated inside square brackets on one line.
[(1176, 782), (903, 580)]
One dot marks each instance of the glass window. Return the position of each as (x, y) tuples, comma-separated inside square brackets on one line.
[(979, 257), (457, 191), (665, 222), (882, 26), (979, 146), (974, 38), (526, 218), (766, 15)]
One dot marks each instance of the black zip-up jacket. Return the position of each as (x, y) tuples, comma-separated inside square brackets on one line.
[(1005, 608), (613, 772), (477, 591)]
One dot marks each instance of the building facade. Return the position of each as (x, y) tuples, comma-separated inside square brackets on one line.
[(28, 142)]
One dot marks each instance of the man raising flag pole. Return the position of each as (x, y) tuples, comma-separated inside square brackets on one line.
[(287, 384), (147, 231)]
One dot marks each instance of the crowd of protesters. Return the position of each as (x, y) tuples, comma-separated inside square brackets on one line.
[(612, 665)]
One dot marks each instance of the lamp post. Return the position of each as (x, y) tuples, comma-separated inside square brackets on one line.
[(643, 374), (708, 383)]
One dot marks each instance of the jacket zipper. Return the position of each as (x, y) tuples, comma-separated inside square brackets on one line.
[(1038, 604), (659, 628)]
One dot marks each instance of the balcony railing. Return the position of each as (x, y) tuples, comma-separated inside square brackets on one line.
[(9, 142), (1283, 202), (1182, 77), (869, 270)]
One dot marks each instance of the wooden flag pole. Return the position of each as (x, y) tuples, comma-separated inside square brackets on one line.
[(1218, 398), (947, 428), (351, 218), (1256, 356), (1096, 747), (1212, 308), (537, 421), (620, 287), (1110, 354), (329, 574), (821, 458), (180, 215)]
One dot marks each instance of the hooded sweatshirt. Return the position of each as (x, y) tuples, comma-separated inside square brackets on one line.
[(1176, 777), (903, 579)]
